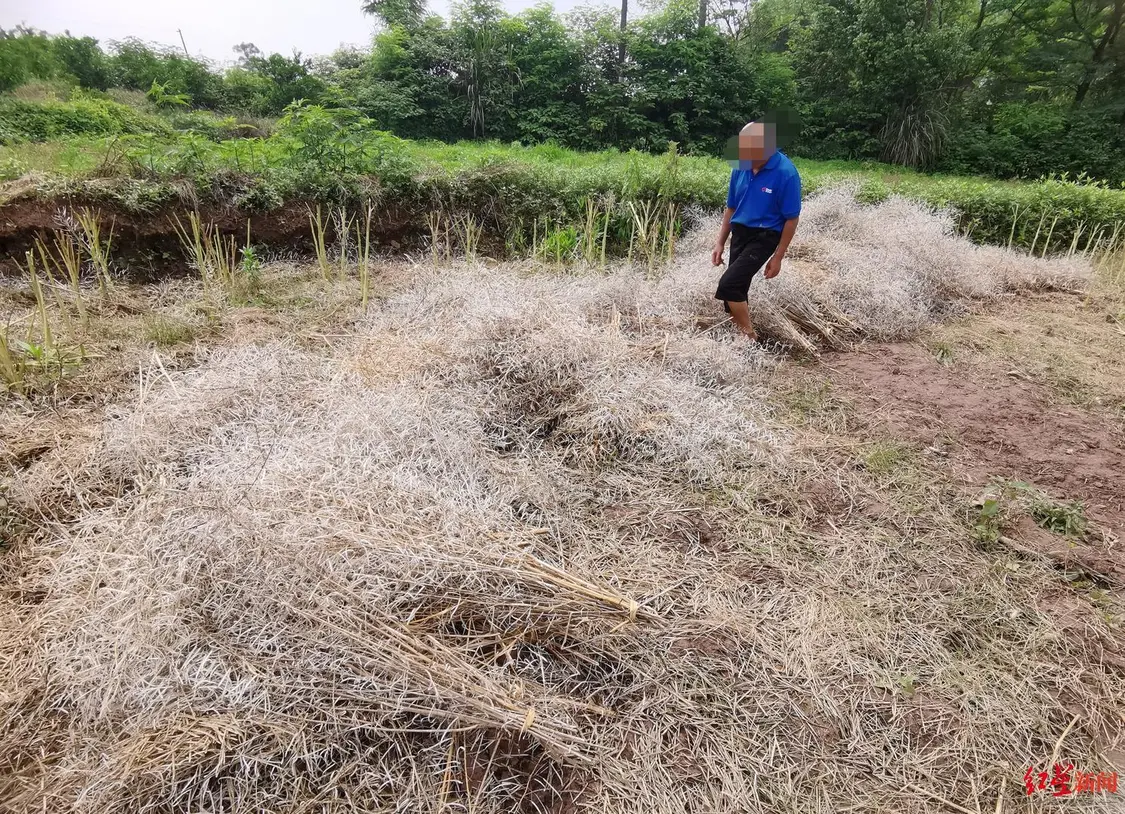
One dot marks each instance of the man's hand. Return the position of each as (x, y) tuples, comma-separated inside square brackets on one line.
[(717, 254), (773, 267)]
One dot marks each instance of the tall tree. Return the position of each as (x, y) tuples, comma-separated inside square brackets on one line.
[(879, 76), (408, 13), (247, 52), (81, 58), (624, 28), (1095, 25), (549, 96), (409, 85), (484, 71)]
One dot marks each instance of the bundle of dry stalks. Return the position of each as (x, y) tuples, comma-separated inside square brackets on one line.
[(515, 548), (884, 271)]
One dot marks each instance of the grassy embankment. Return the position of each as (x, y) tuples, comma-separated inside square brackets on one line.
[(518, 198)]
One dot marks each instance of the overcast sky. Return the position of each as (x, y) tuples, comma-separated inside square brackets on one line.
[(213, 27)]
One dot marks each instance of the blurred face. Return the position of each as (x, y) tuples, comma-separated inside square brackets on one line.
[(756, 142)]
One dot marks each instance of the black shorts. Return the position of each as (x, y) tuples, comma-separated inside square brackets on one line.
[(749, 251)]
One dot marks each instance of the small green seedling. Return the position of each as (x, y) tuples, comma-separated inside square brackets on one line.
[(905, 684), (987, 527)]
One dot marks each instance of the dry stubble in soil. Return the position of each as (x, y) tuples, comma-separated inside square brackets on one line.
[(536, 543)]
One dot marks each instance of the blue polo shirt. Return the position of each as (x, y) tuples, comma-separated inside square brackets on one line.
[(767, 198)]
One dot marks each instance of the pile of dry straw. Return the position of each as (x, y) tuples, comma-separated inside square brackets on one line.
[(517, 547)]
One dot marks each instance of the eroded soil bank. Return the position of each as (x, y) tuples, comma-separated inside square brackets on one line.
[(147, 245)]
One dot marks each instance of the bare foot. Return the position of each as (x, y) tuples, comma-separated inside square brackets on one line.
[(751, 338)]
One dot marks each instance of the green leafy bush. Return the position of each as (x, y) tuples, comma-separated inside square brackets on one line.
[(41, 121), (339, 156), (136, 65), (1025, 214), (1030, 140), (164, 99), (216, 128)]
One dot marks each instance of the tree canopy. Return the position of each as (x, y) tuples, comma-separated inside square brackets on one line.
[(1003, 87)]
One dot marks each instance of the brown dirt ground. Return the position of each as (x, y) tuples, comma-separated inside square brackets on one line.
[(1073, 344), (998, 413)]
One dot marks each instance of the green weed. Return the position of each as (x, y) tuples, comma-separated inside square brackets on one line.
[(944, 353), (468, 231), (363, 244), (214, 256), (1066, 518), (595, 231), (885, 457), (343, 235), (1109, 260), (439, 236), (647, 232), (986, 529), (165, 331), (13, 372), (66, 261), (560, 245), (40, 303), (905, 684), (318, 226), (41, 355), (250, 267), (97, 245)]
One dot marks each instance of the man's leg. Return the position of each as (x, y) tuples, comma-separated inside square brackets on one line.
[(740, 313), (748, 252)]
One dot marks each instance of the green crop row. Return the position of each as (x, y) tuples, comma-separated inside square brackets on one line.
[(1046, 216)]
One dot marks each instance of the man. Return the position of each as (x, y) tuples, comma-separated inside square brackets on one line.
[(763, 206)]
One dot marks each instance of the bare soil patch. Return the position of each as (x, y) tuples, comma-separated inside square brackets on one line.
[(994, 423), (1074, 345)]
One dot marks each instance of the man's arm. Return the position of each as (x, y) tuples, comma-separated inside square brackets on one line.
[(773, 267), (724, 229), (790, 206), (721, 240)]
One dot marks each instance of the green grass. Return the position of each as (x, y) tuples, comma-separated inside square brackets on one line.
[(807, 401), (74, 157), (317, 155), (884, 458), (50, 119), (165, 331)]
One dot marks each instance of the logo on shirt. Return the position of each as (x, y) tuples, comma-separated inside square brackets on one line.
[(767, 189)]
